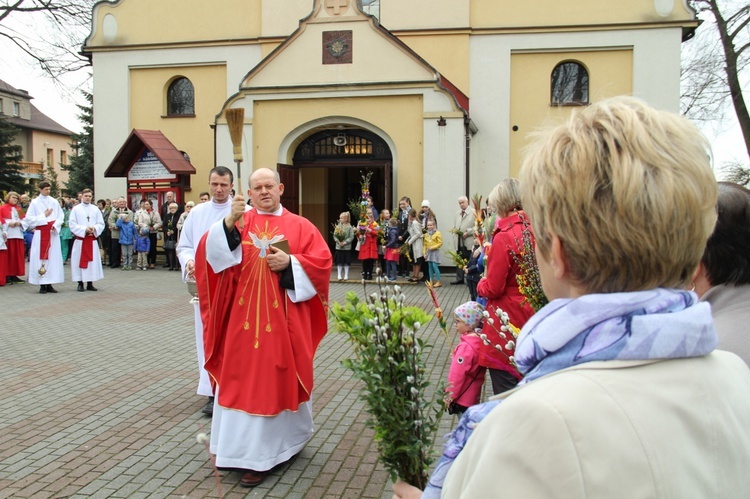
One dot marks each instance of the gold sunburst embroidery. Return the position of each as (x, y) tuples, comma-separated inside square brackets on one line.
[(258, 290)]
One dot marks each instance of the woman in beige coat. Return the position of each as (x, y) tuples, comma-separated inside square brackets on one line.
[(624, 394)]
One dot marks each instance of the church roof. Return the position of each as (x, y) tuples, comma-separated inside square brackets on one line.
[(155, 141), (383, 58)]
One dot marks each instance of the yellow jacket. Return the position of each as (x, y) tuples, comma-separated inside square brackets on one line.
[(434, 241)]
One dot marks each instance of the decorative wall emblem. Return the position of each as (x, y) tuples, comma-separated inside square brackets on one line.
[(337, 47), (336, 7)]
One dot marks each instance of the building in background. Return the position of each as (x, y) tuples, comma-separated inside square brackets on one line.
[(435, 97), (44, 141)]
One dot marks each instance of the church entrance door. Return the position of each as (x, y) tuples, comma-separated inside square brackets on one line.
[(332, 164)]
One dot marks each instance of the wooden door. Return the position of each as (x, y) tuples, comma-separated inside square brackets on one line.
[(289, 175)]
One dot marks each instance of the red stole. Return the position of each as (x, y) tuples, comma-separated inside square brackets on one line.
[(87, 250), (6, 211), (44, 240), (259, 345)]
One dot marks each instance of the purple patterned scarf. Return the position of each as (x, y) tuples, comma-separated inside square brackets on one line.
[(642, 325)]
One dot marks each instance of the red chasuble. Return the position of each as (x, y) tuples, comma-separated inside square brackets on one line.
[(259, 345)]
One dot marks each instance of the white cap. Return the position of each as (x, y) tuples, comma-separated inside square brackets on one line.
[(425, 203)]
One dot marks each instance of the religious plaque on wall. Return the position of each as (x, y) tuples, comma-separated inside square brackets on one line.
[(337, 47), (148, 167)]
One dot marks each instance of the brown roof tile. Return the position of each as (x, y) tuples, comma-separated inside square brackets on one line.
[(138, 140)]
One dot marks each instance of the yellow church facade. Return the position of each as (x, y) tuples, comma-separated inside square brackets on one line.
[(435, 98)]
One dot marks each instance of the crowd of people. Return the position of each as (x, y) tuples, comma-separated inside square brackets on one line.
[(405, 243), (631, 382), (122, 235)]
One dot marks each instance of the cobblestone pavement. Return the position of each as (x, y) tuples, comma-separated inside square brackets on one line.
[(97, 397)]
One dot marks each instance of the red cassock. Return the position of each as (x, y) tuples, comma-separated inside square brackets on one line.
[(259, 345), (16, 264), (3, 260)]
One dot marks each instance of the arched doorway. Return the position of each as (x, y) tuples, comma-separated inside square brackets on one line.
[(341, 156)]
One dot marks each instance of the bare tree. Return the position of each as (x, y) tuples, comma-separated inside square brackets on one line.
[(735, 172), (715, 68), (49, 32)]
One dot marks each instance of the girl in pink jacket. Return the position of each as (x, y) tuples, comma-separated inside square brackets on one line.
[(466, 376)]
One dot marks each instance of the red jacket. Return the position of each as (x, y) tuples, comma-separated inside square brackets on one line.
[(369, 247), (501, 290)]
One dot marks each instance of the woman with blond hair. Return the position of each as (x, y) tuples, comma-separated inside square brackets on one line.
[(343, 237), (624, 394), (500, 287)]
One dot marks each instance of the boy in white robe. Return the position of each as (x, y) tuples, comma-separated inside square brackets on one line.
[(45, 260), (86, 224)]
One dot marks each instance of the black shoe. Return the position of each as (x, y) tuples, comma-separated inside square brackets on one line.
[(50, 289), (43, 289), (114, 266), (16, 279), (454, 283), (165, 266), (80, 287), (90, 287), (208, 409)]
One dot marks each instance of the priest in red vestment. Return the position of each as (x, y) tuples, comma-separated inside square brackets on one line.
[(262, 278)]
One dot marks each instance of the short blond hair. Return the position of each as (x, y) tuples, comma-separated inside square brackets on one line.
[(629, 191), (505, 197)]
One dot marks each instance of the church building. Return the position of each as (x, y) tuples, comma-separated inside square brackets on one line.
[(436, 98)]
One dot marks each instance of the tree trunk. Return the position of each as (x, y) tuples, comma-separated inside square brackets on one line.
[(733, 80)]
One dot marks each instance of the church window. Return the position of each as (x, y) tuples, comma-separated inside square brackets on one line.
[(569, 84), (371, 7), (181, 98)]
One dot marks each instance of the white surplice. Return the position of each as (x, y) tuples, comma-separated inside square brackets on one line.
[(82, 216), (35, 217), (238, 439), (197, 223)]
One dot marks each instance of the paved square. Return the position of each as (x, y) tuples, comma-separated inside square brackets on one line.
[(97, 397)]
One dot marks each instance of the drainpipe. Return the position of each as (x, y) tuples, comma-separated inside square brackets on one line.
[(467, 140), (470, 129)]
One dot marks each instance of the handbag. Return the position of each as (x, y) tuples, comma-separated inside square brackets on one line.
[(169, 245)]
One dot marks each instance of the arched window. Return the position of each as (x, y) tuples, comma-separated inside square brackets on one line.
[(181, 98), (569, 84)]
